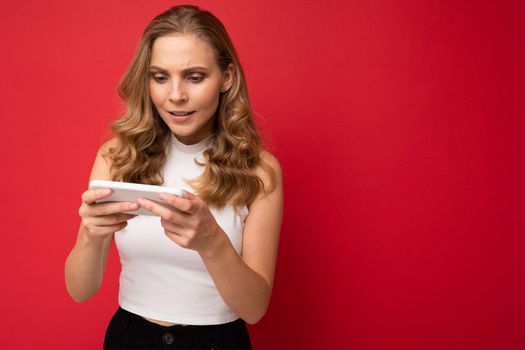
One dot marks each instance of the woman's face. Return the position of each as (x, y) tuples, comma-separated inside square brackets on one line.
[(185, 77)]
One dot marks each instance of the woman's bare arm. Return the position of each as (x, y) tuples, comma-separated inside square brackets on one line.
[(86, 263), (245, 283)]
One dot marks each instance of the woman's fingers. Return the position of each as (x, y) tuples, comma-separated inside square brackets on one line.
[(102, 219), (185, 204), (90, 196), (106, 220), (157, 209), (107, 208), (101, 231)]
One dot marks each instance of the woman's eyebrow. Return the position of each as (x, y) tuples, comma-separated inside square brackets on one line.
[(160, 69)]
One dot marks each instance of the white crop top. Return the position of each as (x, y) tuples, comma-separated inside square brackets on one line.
[(161, 280)]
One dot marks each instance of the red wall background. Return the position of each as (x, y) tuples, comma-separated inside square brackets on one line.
[(399, 127)]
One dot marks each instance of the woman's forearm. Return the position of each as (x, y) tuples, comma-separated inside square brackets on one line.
[(84, 269), (245, 291)]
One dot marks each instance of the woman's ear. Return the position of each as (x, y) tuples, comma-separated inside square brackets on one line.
[(228, 78)]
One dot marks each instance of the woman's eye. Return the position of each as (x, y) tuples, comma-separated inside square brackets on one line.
[(196, 78), (158, 78)]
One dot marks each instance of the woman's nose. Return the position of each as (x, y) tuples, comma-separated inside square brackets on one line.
[(178, 92)]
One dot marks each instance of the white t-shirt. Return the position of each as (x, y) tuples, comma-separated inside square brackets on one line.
[(161, 280)]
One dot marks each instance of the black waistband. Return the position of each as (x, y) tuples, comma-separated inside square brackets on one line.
[(138, 322)]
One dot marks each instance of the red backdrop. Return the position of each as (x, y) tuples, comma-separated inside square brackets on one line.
[(399, 128)]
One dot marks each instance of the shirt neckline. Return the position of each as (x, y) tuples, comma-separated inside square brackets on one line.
[(190, 149)]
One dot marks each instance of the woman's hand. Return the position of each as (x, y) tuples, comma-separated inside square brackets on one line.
[(103, 219), (189, 223)]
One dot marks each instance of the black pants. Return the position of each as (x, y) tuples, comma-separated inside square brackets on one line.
[(129, 331)]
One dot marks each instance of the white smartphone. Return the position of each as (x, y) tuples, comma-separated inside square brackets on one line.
[(130, 192)]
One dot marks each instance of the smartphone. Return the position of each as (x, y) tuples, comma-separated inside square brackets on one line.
[(130, 192)]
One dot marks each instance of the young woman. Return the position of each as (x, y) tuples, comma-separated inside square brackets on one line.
[(195, 273)]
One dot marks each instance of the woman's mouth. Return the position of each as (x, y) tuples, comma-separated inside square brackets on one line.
[(180, 116)]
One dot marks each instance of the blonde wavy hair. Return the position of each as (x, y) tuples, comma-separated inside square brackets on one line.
[(235, 147)]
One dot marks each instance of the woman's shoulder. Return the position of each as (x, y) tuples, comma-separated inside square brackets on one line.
[(269, 159), (269, 170), (102, 166), (108, 145), (107, 148)]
